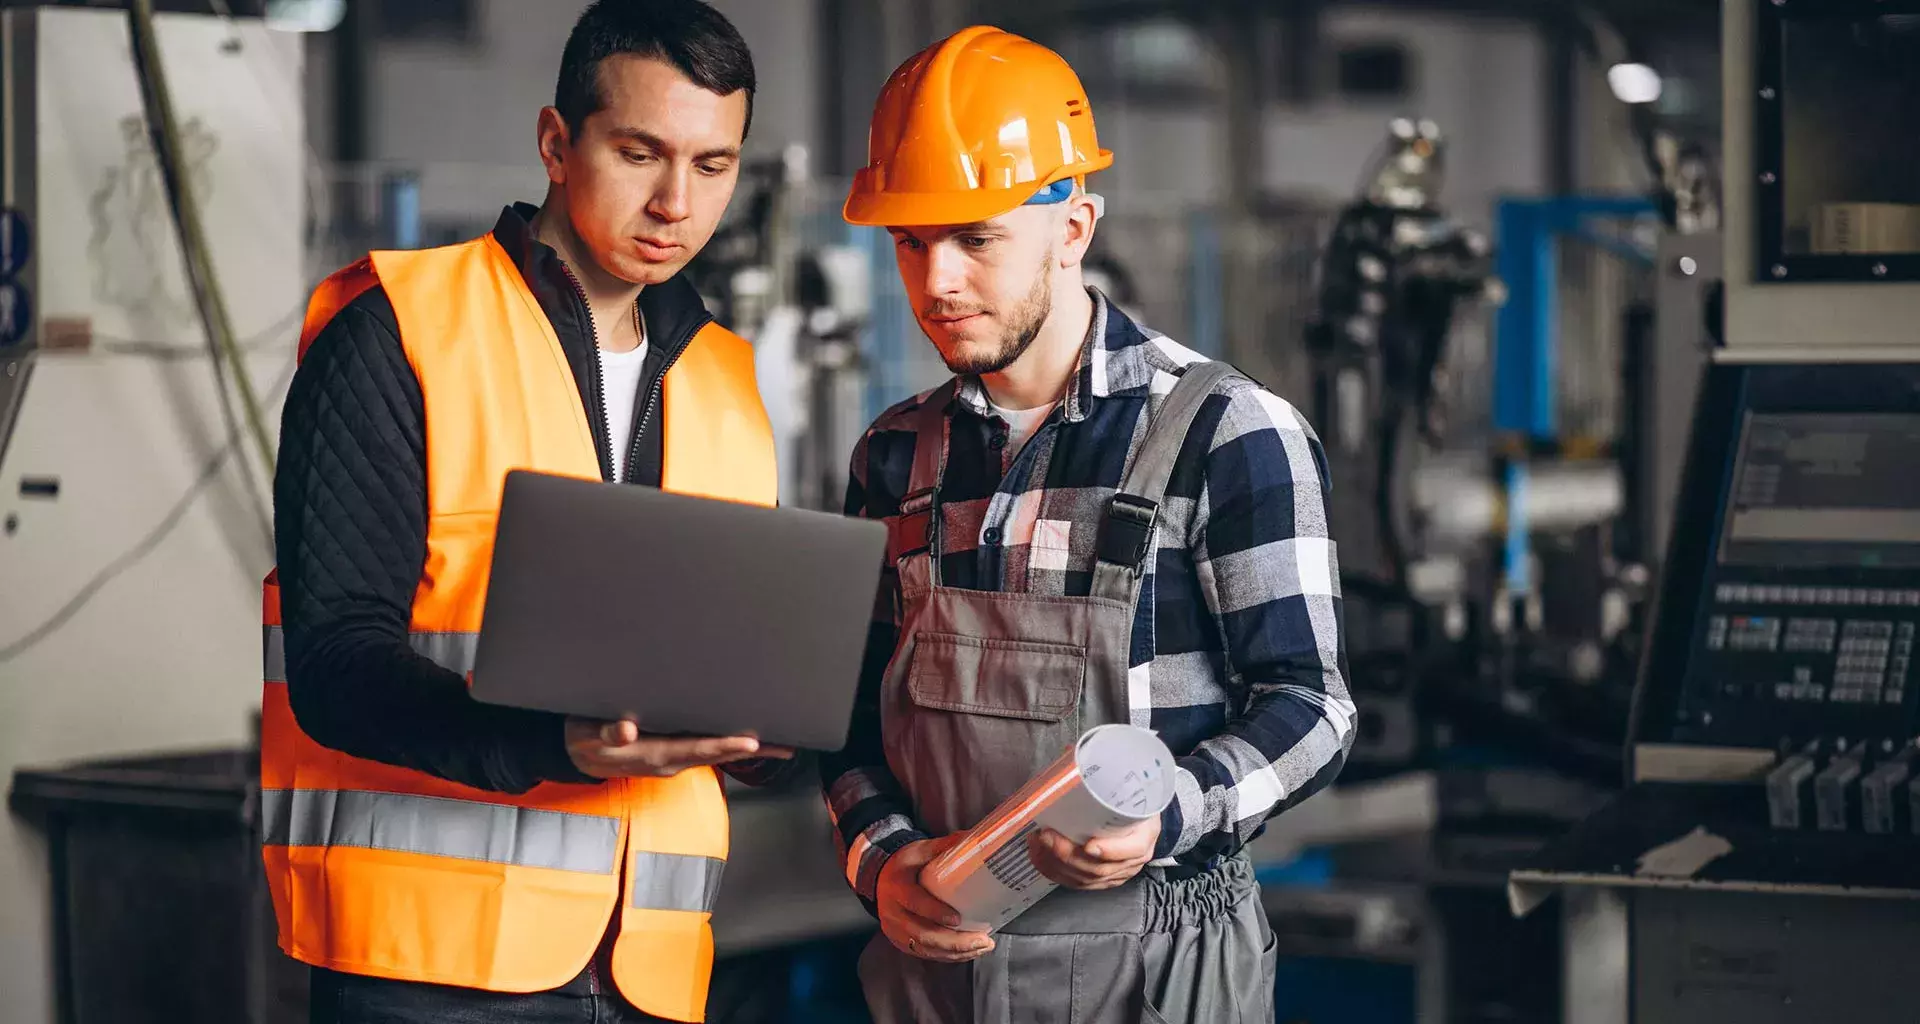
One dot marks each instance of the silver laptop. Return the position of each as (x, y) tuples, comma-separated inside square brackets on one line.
[(693, 616)]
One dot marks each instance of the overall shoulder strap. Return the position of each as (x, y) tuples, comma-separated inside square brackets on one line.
[(1125, 541), (917, 525)]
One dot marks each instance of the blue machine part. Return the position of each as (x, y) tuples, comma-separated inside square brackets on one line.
[(1528, 262), (1519, 564), (1310, 869), (1525, 363)]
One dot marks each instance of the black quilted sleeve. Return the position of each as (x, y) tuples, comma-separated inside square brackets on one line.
[(350, 524)]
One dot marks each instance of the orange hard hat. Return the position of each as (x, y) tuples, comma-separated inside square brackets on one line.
[(970, 128)]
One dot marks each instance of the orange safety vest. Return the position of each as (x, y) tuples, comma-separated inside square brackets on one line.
[(394, 873)]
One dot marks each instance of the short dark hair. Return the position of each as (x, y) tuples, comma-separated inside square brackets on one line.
[(688, 34)]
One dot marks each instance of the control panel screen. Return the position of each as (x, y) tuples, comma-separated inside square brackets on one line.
[(1818, 490)]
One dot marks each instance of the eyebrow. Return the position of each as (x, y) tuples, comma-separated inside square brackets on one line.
[(979, 227), (652, 141)]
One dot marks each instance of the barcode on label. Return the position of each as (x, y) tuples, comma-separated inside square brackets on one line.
[(1010, 865)]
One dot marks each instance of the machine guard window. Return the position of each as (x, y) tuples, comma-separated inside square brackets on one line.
[(1837, 96)]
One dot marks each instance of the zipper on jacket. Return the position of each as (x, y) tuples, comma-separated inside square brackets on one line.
[(596, 387), (655, 388)]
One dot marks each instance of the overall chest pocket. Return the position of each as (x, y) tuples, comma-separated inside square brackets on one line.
[(982, 716), (1040, 682)]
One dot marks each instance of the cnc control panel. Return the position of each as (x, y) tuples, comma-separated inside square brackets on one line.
[(1803, 620)]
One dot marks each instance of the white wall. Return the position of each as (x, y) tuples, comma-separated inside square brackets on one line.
[(166, 656), (474, 106)]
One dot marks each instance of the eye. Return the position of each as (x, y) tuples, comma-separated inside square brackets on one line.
[(636, 156), (975, 241), (713, 170), (909, 243)]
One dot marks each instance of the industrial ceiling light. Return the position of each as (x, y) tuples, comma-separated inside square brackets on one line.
[(1634, 83), (305, 15)]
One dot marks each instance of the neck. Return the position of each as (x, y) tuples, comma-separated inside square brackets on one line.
[(609, 298), (1041, 374)]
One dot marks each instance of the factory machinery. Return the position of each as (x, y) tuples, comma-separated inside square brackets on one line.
[(1764, 861), (1712, 600)]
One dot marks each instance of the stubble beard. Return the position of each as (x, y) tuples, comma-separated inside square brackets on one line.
[(1023, 326)]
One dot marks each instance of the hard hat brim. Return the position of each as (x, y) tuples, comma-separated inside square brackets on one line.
[(912, 209)]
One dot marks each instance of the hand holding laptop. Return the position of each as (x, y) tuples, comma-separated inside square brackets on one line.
[(607, 750)]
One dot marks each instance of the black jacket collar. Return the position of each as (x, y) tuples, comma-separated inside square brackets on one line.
[(674, 313), (672, 308)]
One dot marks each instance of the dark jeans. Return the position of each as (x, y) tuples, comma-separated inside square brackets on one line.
[(352, 999)]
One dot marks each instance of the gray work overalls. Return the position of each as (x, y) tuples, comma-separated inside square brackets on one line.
[(984, 690)]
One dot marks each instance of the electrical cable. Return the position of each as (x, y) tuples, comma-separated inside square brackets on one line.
[(164, 130), (274, 334), (209, 472)]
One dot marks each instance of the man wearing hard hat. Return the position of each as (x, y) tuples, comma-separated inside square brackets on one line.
[(1090, 524)]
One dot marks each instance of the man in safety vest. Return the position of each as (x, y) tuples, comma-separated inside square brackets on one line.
[(1091, 525), (432, 857)]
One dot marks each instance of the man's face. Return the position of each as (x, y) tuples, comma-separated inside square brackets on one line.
[(982, 291), (648, 175)]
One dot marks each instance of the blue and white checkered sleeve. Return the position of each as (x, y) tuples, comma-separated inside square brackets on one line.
[(872, 816), (1271, 578)]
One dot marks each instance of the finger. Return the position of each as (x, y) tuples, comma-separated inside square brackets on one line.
[(699, 749), (619, 734), (931, 942), (1111, 851), (965, 956), (928, 907), (1072, 856), (676, 767), (1057, 846), (1060, 870), (779, 753)]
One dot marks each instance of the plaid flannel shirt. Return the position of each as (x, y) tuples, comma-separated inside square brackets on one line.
[(1237, 657)]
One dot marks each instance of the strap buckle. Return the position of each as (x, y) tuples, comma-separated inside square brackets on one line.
[(1126, 532), (915, 527)]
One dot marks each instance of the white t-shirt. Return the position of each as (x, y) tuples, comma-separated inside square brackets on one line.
[(1021, 424), (620, 374)]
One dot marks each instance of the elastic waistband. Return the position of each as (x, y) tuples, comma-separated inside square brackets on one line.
[(1151, 902)]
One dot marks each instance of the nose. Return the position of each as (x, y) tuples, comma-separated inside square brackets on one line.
[(672, 199), (946, 270)]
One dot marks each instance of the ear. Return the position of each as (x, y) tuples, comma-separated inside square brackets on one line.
[(1076, 229), (555, 142)]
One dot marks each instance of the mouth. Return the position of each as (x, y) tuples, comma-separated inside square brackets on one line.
[(955, 321), (656, 250)]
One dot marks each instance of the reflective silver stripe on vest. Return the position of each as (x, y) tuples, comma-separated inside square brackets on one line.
[(675, 881), (454, 651), (441, 827), (273, 644)]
